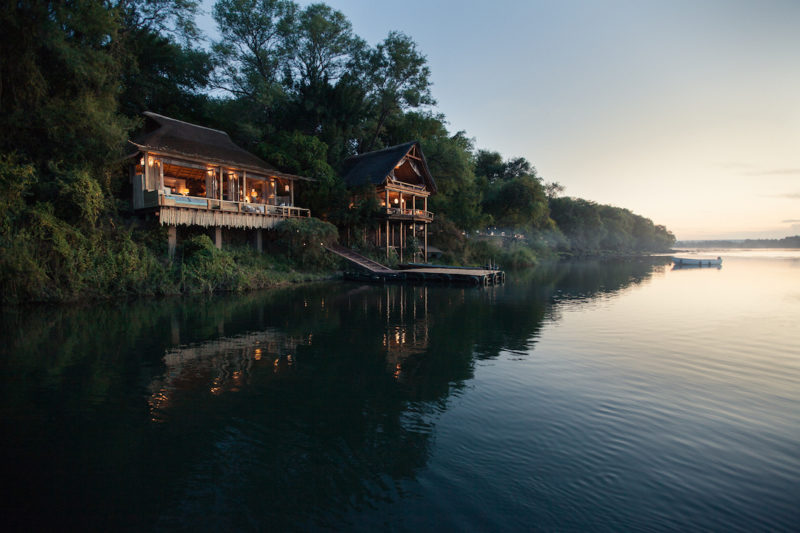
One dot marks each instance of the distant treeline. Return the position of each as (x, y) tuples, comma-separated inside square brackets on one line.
[(294, 85), (786, 242)]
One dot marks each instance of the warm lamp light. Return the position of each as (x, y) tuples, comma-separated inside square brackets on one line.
[(286, 188), (253, 193), (141, 161), (396, 200), (184, 190)]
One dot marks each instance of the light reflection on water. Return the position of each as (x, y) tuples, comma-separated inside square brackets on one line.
[(606, 396)]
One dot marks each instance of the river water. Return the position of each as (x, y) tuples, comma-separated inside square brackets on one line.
[(600, 396)]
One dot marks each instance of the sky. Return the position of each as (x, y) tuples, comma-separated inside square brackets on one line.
[(686, 112)]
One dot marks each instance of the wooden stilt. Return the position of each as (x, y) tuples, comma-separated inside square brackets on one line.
[(172, 240), (425, 258)]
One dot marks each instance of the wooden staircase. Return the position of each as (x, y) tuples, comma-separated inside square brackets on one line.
[(359, 260)]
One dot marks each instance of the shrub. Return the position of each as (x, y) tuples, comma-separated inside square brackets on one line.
[(204, 268), (302, 239)]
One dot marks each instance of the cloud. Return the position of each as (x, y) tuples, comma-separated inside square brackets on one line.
[(791, 221), (746, 169), (772, 172), (792, 195)]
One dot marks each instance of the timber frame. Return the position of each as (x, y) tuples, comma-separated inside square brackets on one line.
[(401, 182)]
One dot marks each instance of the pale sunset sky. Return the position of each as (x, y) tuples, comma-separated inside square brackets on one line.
[(686, 112)]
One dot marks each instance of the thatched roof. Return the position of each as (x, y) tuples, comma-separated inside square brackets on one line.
[(375, 167), (181, 139)]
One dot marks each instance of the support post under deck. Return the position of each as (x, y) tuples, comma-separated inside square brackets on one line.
[(172, 240)]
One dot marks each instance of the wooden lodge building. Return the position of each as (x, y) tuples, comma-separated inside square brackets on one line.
[(190, 175), (402, 184)]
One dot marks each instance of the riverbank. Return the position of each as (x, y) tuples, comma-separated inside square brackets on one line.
[(136, 268)]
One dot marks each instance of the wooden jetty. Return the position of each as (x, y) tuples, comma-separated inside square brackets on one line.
[(370, 270)]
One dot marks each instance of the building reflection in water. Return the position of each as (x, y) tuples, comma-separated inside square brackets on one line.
[(406, 332), (226, 364), (221, 365)]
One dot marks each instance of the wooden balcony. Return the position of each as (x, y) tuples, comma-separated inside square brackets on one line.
[(153, 199), (209, 212), (398, 213)]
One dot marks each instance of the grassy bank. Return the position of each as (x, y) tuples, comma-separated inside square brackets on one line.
[(49, 260)]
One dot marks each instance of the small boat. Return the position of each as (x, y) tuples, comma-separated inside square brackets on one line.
[(685, 261)]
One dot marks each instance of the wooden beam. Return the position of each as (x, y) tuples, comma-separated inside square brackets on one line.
[(172, 240), (425, 257)]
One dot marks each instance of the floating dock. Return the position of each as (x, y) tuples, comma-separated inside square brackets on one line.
[(370, 270)]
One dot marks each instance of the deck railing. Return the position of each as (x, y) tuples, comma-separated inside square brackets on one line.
[(411, 213), (152, 199)]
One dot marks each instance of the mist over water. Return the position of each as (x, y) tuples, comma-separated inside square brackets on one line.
[(616, 395)]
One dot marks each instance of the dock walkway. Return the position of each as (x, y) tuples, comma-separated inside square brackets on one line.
[(374, 271)]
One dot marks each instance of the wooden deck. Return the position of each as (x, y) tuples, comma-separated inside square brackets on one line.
[(370, 270)]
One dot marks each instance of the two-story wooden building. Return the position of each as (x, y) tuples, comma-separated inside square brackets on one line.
[(185, 174), (402, 184)]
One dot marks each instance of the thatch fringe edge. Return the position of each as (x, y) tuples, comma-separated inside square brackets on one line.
[(171, 216)]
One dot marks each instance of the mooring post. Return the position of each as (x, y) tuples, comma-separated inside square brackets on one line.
[(218, 238)]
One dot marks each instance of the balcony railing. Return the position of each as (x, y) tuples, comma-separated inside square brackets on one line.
[(410, 213), (152, 199)]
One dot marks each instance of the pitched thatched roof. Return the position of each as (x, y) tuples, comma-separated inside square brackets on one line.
[(175, 137), (374, 167)]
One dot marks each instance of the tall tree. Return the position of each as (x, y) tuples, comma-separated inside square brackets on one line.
[(397, 78), (162, 70), (324, 46), (327, 98), (254, 52), (59, 81)]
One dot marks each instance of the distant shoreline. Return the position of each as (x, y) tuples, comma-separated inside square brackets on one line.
[(786, 242)]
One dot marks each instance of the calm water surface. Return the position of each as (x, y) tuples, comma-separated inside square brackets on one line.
[(601, 396)]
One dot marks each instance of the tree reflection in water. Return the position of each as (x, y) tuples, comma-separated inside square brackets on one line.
[(287, 409)]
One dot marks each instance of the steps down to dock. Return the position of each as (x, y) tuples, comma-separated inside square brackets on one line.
[(374, 271), (358, 259)]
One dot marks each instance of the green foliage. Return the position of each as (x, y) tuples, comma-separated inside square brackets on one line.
[(397, 78), (302, 240), (592, 228), (306, 155), (204, 268), (518, 202), (58, 101), (15, 180), (458, 198), (324, 46), (48, 259), (255, 50), (79, 198)]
